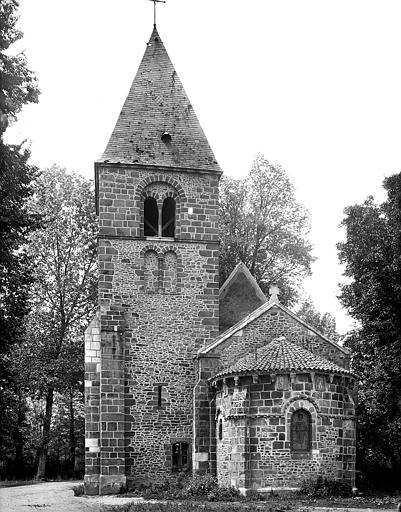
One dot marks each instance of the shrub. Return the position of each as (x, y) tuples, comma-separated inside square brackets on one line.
[(253, 495), (201, 485), (224, 494), (78, 490), (196, 487), (323, 488)]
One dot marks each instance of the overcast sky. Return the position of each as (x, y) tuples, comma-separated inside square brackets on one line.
[(314, 85)]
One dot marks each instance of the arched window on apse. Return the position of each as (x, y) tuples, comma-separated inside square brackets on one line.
[(170, 272), (168, 217), (301, 432), (151, 217), (151, 274)]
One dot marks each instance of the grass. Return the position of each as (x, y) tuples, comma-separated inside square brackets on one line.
[(273, 503), (188, 506)]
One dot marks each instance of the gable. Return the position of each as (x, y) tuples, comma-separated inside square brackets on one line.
[(239, 296), (265, 324)]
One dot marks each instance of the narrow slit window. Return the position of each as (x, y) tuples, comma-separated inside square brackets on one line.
[(220, 429), (151, 217), (168, 217), (159, 395)]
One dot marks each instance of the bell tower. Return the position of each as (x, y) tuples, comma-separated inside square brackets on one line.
[(157, 202)]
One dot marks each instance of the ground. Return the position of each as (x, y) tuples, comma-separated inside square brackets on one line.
[(54, 497), (59, 497)]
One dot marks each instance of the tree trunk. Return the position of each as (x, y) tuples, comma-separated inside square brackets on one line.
[(72, 434), (42, 456), (18, 439)]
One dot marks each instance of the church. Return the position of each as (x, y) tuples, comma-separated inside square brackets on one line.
[(181, 376)]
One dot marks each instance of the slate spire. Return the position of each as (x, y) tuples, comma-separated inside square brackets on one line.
[(157, 125)]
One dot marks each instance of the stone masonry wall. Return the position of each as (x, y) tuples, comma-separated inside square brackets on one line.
[(158, 303), (255, 449), (273, 324), (92, 408), (120, 204)]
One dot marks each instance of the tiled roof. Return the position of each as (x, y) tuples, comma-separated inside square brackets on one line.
[(157, 104), (281, 355)]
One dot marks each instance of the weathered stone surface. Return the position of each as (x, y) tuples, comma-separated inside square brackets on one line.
[(153, 350), (255, 449)]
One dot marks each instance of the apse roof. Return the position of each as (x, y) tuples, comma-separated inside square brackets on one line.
[(157, 124), (281, 355)]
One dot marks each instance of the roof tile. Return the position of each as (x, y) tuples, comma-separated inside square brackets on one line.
[(281, 355), (157, 103)]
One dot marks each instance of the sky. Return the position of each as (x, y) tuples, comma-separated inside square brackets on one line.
[(313, 85)]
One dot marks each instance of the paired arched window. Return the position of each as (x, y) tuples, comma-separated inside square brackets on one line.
[(159, 220), (301, 431)]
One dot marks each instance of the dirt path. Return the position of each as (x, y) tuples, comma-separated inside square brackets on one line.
[(54, 497)]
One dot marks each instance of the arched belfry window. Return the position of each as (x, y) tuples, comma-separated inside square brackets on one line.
[(159, 219), (168, 217), (301, 432), (151, 217)]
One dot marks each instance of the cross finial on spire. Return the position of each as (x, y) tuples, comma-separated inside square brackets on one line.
[(154, 9), (274, 291)]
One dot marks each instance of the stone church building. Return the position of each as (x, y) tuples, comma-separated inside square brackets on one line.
[(179, 375)]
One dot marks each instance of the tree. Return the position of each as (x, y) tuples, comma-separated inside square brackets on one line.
[(264, 226), (18, 85), (64, 293), (324, 323), (372, 258)]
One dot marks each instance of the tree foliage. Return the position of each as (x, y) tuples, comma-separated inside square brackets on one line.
[(63, 296), (18, 85), (372, 258), (264, 226), (324, 323), (16, 222)]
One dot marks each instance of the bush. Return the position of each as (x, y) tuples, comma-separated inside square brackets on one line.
[(224, 494), (78, 490), (201, 485), (253, 495), (196, 487), (324, 488)]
